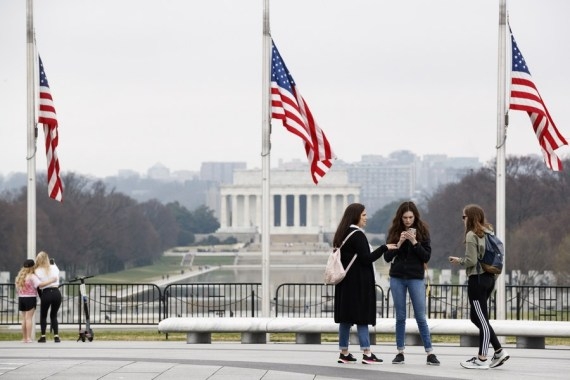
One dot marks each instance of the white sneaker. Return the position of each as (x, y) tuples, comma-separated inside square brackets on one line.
[(499, 359), (475, 363)]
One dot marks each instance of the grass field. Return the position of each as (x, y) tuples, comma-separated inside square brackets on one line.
[(165, 265)]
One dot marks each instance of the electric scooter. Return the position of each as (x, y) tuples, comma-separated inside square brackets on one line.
[(83, 299)]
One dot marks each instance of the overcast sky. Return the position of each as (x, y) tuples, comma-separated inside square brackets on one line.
[(178, 82)]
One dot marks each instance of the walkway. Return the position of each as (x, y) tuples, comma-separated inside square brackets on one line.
[(169, 360)]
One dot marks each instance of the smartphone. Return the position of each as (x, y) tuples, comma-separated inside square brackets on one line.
[(412, 230)]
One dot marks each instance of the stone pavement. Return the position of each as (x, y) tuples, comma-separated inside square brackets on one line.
[(166, 360)]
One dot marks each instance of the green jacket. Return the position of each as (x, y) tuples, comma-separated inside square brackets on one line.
[(474, 249)]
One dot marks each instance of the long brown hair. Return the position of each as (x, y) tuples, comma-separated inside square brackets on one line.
[(476, 221), (351, 215), (397, 227)]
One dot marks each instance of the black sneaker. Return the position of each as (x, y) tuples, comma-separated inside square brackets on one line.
[(42, 339), (346, 359), (432, 360), (399, 359), (372, 359), (56, 339)]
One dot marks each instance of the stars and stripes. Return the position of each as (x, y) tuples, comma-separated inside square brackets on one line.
[(525, 97), (48, 118), (288, 105)]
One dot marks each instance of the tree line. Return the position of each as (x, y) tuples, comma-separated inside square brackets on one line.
[(537, 213), (95, 229)]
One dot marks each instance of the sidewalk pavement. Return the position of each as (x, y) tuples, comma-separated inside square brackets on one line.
[(169, 360)]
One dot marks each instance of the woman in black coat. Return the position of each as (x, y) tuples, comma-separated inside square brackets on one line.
[(355, 295)]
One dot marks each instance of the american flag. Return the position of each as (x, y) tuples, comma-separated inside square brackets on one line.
[(288, 105), (48, 118), (525, 97)]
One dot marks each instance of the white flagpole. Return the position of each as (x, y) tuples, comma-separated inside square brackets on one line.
[(265, 164), (501, 149), (32, 131)]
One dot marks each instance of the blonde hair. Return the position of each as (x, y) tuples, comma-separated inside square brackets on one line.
[(42, 260), (21, 277)]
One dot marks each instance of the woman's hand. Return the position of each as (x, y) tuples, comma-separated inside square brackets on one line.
[(402, 239), (408, 235), (392, 246), (454, 259)]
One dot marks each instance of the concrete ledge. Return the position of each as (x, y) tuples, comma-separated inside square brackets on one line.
[(529, 334)]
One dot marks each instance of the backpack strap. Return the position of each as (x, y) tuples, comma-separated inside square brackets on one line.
[(344, 241), (346, 238), (479, 254)]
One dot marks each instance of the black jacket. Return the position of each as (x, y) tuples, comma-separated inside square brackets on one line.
[(355, 295), (408, 260)]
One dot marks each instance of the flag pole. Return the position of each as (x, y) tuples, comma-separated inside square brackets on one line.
[(32, 130), (31, 137), (265, 164), (501, 150)]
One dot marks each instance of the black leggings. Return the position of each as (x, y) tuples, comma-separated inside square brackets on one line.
[(479, 289), (51, 301)]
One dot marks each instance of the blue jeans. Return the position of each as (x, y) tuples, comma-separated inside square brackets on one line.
[(344, 334), (416, 288)]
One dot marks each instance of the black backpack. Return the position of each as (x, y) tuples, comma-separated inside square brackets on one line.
[(494, 256)]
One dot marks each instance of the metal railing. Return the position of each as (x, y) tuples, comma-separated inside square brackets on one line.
[(312, 300), (147, 304), (123, 304), (212, 300)]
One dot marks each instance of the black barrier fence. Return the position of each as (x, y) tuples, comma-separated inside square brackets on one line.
[(147, 304), (123, 304), (212, 300), (312, 300)]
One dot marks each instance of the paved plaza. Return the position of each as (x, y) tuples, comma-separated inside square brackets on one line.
[(171, 360)]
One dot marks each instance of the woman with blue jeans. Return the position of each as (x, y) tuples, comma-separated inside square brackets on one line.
[(411, 237), (355, 295)]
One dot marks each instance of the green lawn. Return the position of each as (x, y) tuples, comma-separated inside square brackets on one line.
[(166, 265)]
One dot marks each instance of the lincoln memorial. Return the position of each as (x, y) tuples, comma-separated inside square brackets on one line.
[(297, 207)]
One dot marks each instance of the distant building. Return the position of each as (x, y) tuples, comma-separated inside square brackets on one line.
[(404, 175), (220, 172), (439, 170), (185, 175), (159, 172), (128, 173), (384, 180)]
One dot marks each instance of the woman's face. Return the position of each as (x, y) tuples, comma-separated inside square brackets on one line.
[(362, 220), (408, 219)]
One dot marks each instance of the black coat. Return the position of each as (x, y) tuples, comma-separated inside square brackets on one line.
[(408, 261), (355, 295)]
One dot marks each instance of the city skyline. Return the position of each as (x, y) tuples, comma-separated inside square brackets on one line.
[(140, 83), (281, 164)]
